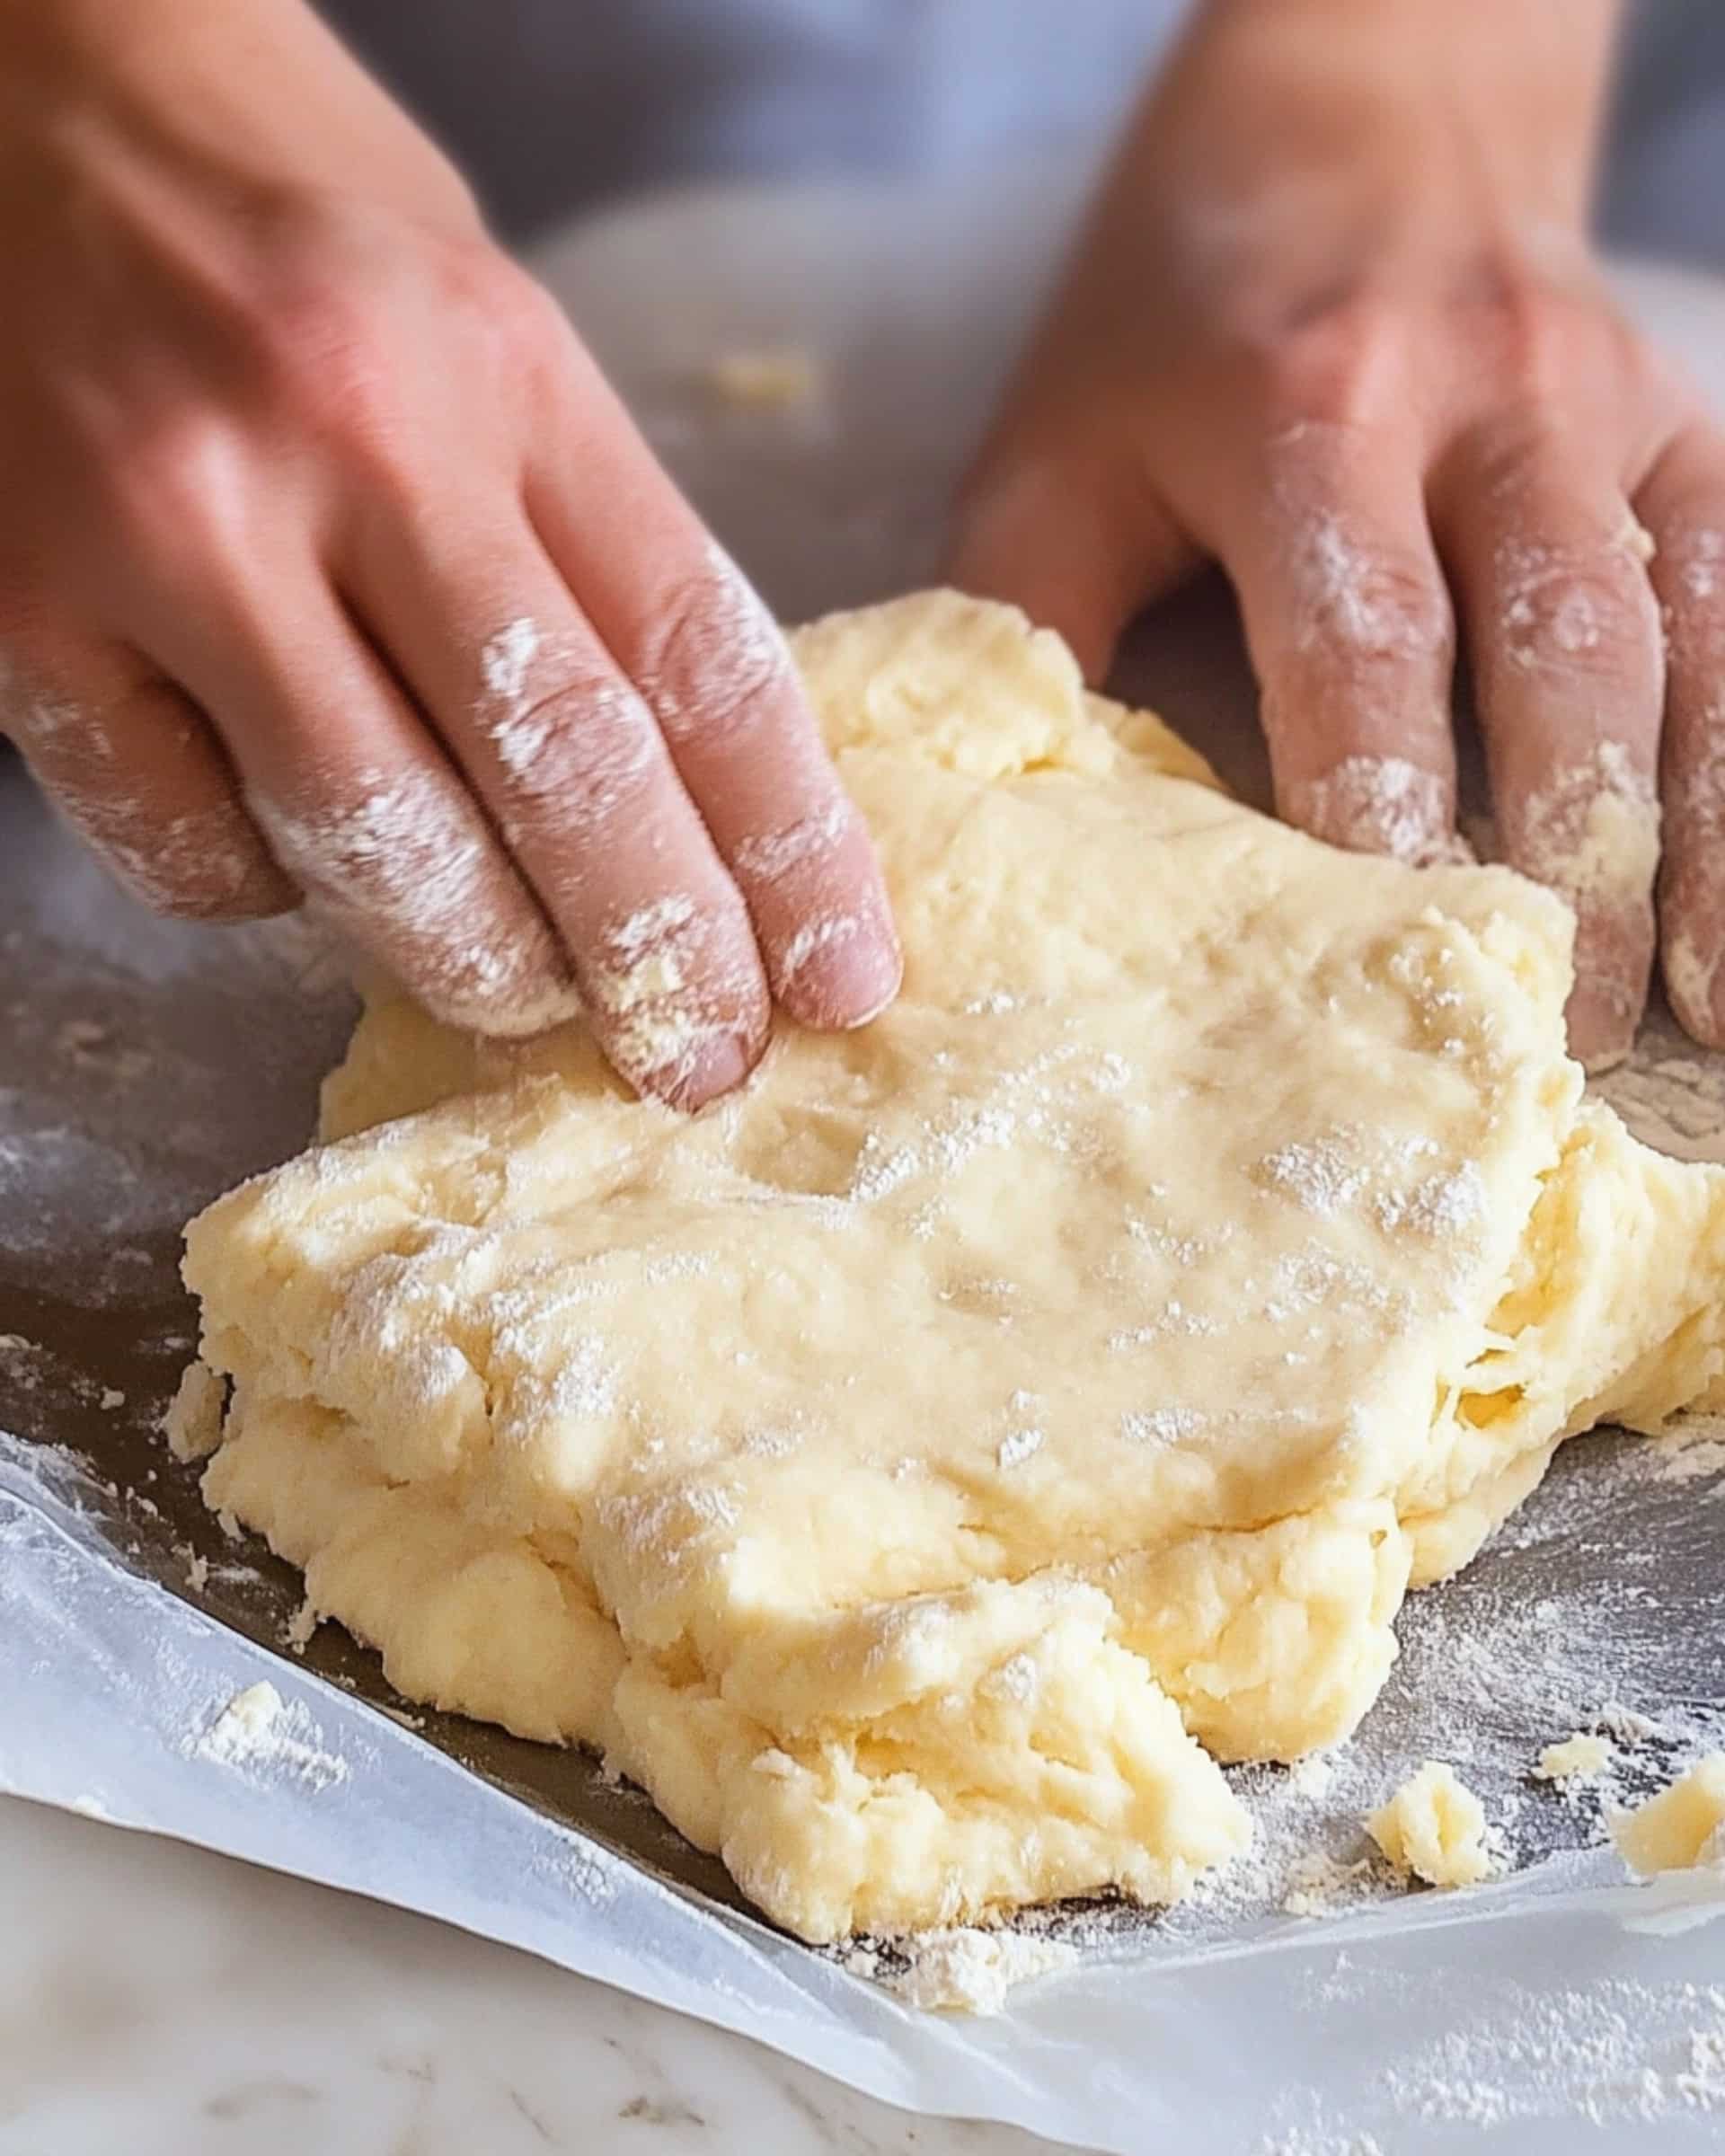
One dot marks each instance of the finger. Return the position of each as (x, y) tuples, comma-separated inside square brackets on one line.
[(1348, 624), (133, 766), (1682, 504), (362, 809), (1072, 537), (566, 754), (683, 624), (1563, 640)]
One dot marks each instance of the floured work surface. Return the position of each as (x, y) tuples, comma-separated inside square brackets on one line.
[(1597, 1604), (895, 1469), (148, 1066)]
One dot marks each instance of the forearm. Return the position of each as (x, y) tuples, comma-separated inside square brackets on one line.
[(253, 90), (1511, 91)]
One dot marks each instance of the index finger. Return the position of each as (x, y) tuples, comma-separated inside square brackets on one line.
[(685, 626)]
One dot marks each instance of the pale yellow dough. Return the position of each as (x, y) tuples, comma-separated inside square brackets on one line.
[(1684, 1825), (918, 1471), (1434, 1826)]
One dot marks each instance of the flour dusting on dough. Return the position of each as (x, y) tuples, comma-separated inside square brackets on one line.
[(708, 1440)]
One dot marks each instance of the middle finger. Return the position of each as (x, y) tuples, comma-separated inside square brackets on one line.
[(1564, 638)]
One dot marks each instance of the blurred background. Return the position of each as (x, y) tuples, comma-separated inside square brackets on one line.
[(551, 107)]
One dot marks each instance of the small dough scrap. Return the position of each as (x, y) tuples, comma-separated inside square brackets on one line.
[(1580, 1757), (920, 1468), (770, 378), (192, 1424), (1434, 1826), (1684, 1825)]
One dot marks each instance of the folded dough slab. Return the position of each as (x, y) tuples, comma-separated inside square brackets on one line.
[(920, 1470)]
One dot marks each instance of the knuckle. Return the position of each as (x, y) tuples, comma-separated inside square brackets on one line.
[(579, 754), (521, 320), (1356, 599), (1339, 366), (1563, 609), (1691, 568), (328, 366), (712, 657), (1533, 331), (176, 484)]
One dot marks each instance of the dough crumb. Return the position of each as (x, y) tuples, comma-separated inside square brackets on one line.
[(765, 378), (113, 1398), (1312, 1775), (1434, 1826), (300, 1627), (192, 1424), (1683, 1826), (1580, 1757), (965, 1970), (197, 1568), (259, 1729)]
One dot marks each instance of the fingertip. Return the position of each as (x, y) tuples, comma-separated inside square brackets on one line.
[(1613, 966), (1695, 984), (1377, 804), (718, 1067), (838, 969), (1601, 1034)]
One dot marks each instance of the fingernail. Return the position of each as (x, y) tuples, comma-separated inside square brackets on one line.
[(719, 1065), (1613, 966), (1694, 985), (838, 971), (1600, 1032)]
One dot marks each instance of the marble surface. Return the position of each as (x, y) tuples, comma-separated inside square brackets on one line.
[(159, 2001)]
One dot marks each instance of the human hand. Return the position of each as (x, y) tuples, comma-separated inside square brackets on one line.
[(1336, 324), (331, 565)]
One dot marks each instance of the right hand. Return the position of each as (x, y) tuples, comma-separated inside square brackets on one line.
[(331, 566)]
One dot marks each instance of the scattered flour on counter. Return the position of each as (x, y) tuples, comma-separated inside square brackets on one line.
[(576, 1867), (257, 1728), (1617, 2053), (965, 1970), (1320, 1884), (1689, 1453)]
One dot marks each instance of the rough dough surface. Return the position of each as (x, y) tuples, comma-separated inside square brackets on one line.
[(1682, 1825), (1434, 1826), (920, 1470)]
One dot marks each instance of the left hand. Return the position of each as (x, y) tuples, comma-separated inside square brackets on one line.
[(1337, 325)]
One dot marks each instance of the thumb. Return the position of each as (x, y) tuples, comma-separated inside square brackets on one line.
[(1075, 538)]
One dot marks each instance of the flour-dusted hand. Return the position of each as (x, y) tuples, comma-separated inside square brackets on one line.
[(1336, 324), (331, 565)]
